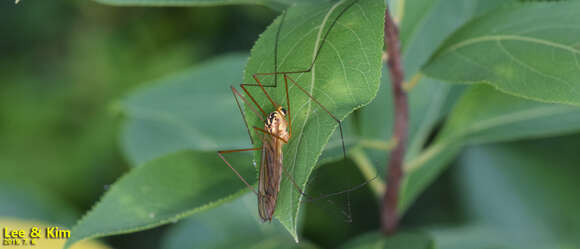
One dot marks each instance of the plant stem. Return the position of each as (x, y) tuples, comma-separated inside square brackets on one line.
[(389, 214)]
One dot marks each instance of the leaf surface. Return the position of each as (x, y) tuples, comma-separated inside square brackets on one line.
[(345, 76), (274, 4), (531, 189), (194, 109), (425, 25), (484, 115), (232, 225), (535, 57), (162, 191), (400, 240)]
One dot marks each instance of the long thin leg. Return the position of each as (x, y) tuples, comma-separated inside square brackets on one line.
[(243, 86), (275, 70), (263, 88), (268, 133), (288, 105), (236, 95), (276, 73), (276, 47), (328, 32), (324, 108), (310, 198), (220, 154), (325, 36), (351, 189), (348, 213), (286, 78)]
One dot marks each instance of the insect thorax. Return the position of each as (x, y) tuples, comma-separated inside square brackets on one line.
[(277, 125)]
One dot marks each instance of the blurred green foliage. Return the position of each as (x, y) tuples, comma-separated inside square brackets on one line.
[(65, 63)]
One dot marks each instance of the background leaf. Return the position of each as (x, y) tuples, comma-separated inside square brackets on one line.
[(194, 109), (427, 23), (398, 241), (345, 77), (509, 198), (523, 57), (232, 225), (275, 4), (333, 220), (525, 190), (30, 203), (161, 191), (473, 237), (484, 115)]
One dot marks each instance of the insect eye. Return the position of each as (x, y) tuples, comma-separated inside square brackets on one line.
[(283, 111)]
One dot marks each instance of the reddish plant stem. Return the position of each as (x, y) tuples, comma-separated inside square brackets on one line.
[(389, 214)]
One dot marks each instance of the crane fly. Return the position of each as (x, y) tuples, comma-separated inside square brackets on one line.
[(277, 129)]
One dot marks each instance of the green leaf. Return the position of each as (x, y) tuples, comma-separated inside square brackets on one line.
[(274, 4), (483, 237), (232, 225), (377, 240), (534, 57), (345, 76), (171, 114), (334, 220), (471, 236), (426, 24), (525, 190), (484, 115), (162, 191), (427, 105)]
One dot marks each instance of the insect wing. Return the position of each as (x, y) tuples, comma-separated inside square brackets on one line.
[(270, 176)]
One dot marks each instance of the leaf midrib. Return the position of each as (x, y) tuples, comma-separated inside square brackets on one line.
[(313, 77), (487, 38), (513, 117), (419, 161)]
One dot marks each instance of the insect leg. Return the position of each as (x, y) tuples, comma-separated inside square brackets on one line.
[(236, 95), (288, 105), (268, 133), (262, 86), (286, 78), (311, 198), (220, 154), (255, 76), (318, 50), (323, 108)]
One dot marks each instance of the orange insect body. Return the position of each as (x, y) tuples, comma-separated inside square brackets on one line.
[(271, 163)]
